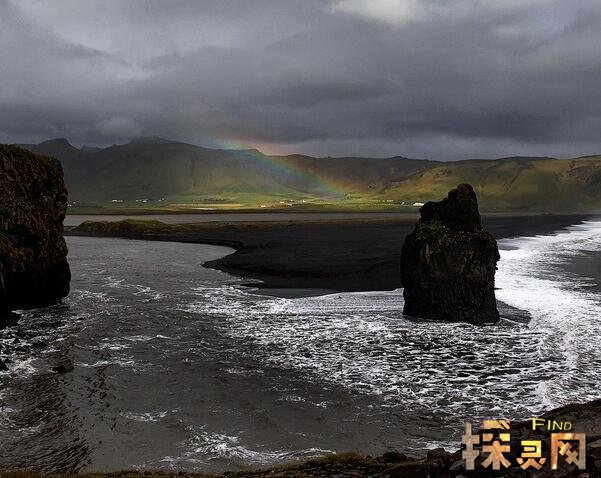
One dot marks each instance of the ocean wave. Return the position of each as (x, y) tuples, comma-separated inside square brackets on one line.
[(356, 343), (362, 341), (204, 447), (145, 417), (566, 316)]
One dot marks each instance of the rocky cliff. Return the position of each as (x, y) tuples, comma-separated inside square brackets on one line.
[(33, 254), (448, 262)]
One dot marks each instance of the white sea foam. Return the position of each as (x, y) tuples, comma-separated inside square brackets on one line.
[(89, 295), (357, 341), (362, 341), (204, 446), (566, 315), (146, 417), (137, 290)]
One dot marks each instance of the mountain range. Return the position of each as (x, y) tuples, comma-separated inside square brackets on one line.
[(173, 174)]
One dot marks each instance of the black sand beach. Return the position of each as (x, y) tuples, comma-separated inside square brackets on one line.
[(344, 255)]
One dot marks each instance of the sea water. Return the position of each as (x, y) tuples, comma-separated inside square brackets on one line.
[(171, 365)]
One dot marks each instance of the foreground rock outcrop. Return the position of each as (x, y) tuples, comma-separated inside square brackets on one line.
[(448, 262), (33, 254)]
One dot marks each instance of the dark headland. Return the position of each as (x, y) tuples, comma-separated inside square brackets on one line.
[(33, 254)]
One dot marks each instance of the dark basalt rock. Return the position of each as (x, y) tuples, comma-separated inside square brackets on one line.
[(448, 262), (33, 254)]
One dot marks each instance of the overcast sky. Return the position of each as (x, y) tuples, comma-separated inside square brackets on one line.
[(422, 78)]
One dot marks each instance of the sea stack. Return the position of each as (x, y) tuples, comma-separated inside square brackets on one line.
[(448, 262), (33, 254)]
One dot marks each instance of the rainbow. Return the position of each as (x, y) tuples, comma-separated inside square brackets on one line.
[(323, 186)]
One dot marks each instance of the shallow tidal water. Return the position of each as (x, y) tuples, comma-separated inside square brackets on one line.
[(170, 365)]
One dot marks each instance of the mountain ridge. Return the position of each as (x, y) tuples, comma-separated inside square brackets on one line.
[(158, 170)]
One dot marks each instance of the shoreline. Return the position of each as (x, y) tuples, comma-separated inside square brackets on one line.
[(345, 255)]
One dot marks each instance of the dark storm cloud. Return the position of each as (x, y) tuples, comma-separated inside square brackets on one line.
[(423, 78)]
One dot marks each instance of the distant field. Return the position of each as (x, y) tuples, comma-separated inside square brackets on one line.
[(188, 208)]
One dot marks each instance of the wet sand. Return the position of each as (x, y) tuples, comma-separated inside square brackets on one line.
[(342, 255)]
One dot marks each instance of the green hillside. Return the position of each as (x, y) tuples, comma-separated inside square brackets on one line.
[(529, 184), (161, 174)]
